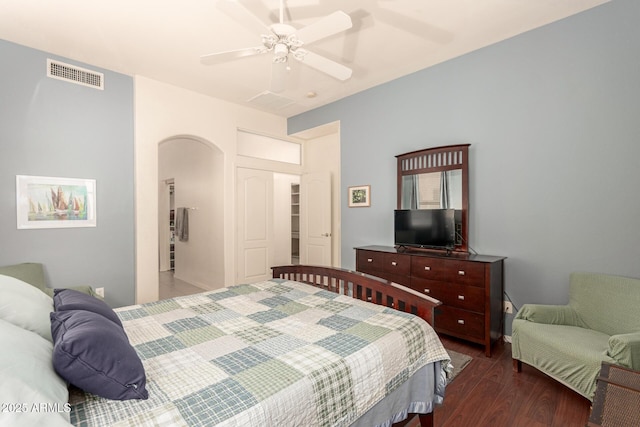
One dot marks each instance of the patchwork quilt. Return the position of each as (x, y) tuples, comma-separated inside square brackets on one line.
[(274, 353)]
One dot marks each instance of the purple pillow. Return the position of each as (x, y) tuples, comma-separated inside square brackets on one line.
[(69, 299), (94, 354)]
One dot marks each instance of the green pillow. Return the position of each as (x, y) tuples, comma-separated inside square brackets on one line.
[(29, 272), (25, 306), (28, 379)]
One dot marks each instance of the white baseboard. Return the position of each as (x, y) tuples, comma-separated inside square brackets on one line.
[(507, 338), (196, 284)]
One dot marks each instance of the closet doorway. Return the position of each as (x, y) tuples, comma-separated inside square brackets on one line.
[(282, 219), (166, 217), (264, 222), (190, 172)]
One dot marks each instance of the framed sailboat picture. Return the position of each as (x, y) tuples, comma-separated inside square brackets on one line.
[(48, 202)]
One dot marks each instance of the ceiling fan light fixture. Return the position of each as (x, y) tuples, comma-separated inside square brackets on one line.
[(269, 41), (280, 50), (294, 42), (299, 54)]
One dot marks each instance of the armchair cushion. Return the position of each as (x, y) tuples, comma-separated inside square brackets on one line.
[(606, 303), (570, 342), (576, 363)]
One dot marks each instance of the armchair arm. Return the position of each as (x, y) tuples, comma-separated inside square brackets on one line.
[(549, 314), (625, 349)]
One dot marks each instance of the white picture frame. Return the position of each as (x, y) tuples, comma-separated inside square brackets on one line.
[(51, 202), (359, 196)]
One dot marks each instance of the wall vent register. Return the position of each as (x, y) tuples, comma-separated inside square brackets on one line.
[(74, 74)]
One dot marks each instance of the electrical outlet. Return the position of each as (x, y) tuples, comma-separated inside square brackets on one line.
[(508, 307), (100, 292)]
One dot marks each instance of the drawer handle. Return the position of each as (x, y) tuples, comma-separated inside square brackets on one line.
[(393, 263), (461, 272), (427, 268), (369, 260), (461, 297), (460, 321), (427, 291)]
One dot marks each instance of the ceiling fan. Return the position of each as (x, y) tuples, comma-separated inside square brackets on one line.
[(285, 41)]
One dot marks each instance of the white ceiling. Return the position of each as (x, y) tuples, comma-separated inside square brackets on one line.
[(164, 39)]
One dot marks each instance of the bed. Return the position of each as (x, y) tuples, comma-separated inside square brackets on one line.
[(312, 346)]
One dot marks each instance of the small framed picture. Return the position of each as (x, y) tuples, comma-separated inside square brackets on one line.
[(49, 202), (360, 196)]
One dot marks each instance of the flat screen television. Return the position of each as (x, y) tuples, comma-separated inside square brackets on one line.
[(425, 228)]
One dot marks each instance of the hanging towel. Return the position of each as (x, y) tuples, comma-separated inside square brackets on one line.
[(182, 224)]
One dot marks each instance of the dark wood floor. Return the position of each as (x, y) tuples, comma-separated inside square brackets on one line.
[(488, 393)]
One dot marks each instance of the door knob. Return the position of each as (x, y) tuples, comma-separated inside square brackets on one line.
[(326, 234)]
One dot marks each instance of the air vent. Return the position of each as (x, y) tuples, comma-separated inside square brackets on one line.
[(74, 74), (270, 100)]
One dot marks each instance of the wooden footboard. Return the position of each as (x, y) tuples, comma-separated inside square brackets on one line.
[(361, 286)]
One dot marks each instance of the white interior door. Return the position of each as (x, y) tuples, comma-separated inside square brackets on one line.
[(315, 219), (255, 225)]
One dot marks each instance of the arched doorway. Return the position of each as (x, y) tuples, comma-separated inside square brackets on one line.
[(194, 169)]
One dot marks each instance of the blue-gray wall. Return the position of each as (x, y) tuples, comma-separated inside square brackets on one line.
[(553, 116), (49, 127)]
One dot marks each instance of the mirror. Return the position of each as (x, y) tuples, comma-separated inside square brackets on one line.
[(437, 178), (434, 190)]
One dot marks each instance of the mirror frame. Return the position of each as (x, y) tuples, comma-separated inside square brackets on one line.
[(438, 159)]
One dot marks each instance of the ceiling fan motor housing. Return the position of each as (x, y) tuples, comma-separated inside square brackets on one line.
[(282, 29)]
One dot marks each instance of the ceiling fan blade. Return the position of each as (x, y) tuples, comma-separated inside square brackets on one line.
[(278, 76), (325, 27), (327, 66), (216, 58), (243, 16)]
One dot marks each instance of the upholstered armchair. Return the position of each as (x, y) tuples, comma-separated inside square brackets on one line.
[(601, 323)]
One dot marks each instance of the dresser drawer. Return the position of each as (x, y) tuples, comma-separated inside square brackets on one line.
[(369, 262), (461, 323), (453, 294), (449, 270), (397, 264), (389, 266)]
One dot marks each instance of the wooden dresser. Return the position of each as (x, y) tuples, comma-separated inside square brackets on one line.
[(469, 286)]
